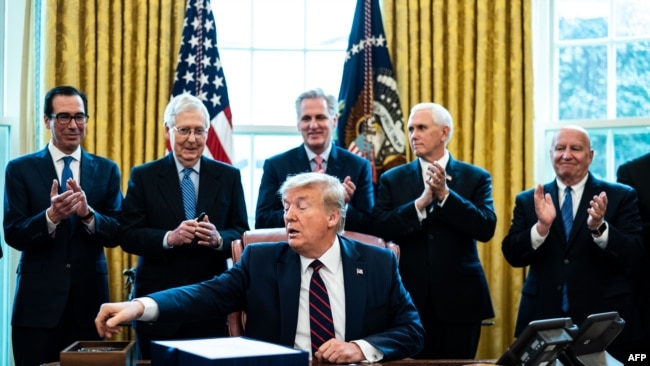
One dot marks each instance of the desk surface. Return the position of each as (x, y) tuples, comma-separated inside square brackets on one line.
[(387, 363)]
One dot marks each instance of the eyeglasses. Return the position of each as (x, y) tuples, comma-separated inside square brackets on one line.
[(65, 118), (186, 131)]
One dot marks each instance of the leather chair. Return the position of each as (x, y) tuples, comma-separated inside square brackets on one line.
[(237, 320)]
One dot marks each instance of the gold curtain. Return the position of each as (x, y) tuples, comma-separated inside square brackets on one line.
[(122, 54), (475, 58)]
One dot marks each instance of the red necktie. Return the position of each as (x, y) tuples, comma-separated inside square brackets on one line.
[(320, 313)]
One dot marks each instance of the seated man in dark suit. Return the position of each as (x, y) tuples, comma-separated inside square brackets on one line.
[(372, 315), (317, 119)]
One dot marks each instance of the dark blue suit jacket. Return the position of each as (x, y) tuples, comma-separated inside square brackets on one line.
[(266, 284), (596, 279), (154, 205), (439, 255), (341, 163), (636, 173), (50, 268)]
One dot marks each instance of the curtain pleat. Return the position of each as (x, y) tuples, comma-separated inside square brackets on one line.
[(123, 55), (474, 57)]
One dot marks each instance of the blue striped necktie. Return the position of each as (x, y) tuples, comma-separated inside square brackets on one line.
[(320, 313), (567, 219), (189, 195), (66, 173)]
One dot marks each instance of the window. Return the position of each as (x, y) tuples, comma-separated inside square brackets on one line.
[(271, 51), (597, 54)]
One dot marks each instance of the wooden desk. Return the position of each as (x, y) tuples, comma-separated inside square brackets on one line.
[(387, 363)]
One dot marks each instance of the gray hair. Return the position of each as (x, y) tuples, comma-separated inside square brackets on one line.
[(318, 93), (333, 191), (184, 103), (439, 114)]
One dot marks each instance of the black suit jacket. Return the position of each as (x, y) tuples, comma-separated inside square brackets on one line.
[(341, 163), (636, 173), (266, 284), (596, 278), (439, 255), (71, 261), (154, 205)]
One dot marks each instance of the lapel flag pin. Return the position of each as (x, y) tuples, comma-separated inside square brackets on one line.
[(359, 271)]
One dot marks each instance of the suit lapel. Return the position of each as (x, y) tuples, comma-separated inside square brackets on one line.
[(334, 165), (89, 173), (300, 159), (288, 272), (209, 186), (169, 187), (45, 168), (355, 272)]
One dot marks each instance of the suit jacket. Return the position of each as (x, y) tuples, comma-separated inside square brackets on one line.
[(266, 284), (341, 163), (439, 255), (52, 267), (154, 205), (596, 278), (636, 173)]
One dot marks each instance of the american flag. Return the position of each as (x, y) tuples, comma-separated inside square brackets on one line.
[(199, 73)]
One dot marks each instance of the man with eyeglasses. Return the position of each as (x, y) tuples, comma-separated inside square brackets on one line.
[(162, 219), (60, 211)]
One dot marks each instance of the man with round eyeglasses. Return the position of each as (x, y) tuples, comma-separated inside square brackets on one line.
[(60, 212), (163, 223)]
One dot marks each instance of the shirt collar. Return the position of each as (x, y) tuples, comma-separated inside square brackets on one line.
[(331, 259), (180, 167), (58, 154), (325, 155), (442, 161)]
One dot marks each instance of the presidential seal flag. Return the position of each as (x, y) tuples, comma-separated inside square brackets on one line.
[(199, 73), (371, 123)]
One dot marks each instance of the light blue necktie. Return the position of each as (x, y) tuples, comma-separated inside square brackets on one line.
[(189, 197), (567, 219), (66, 173)]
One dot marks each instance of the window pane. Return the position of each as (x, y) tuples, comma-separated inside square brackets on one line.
[(279, 24), (237, 71), (324, 70), (335, 16), (583, 82), (278, 78), (633, 79), (630, 143), (232, 31), (582, 19), (632, 18)]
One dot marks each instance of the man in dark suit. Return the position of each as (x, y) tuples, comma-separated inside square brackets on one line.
[(317, 117), (584, 272), (173, 246), (636, 173), (436, 208), (61, 230), (373, 316)]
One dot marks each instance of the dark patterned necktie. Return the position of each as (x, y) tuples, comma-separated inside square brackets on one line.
[(189, 195), (66, 173), (567, 219), (320, 313)]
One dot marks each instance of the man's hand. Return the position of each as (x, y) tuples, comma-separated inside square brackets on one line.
[(597, 211), (544, 210), (111, 315), (183, 234), (350, 187), (208, 234), (337, 351), (82, 208), (437, 180), (62, 205)]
